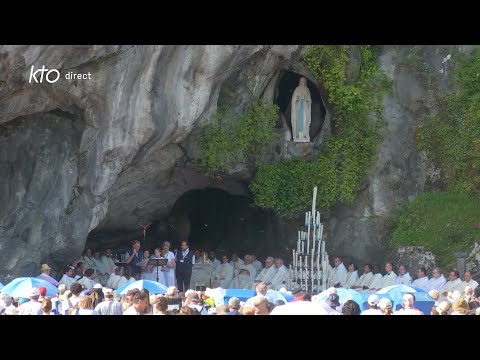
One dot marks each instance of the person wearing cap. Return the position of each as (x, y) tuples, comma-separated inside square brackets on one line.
[(333, 301), (403, 276), (67, 277), (434, 295), (32, 307), (390, 277), (422, 279), (43, 292), (194, 301), (261, 304), (385, 306), (233, 306), (408, 306), (45, 275), (373, 309), (338, 274), (109, 306)]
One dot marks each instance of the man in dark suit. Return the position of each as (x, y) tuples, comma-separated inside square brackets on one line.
[(184, 260)]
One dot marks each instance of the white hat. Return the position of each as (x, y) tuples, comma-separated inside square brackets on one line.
[(408, 297), (171, 290), (188, 292), (34, 292), (384, 303), (373, 299), (107, 291), (98, 286)]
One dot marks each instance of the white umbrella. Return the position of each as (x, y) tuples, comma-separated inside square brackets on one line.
[(299, 308)]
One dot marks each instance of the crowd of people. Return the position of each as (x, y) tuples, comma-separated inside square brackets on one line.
[(87, 286)]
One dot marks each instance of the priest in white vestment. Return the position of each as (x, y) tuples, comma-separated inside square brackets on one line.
[(88, 279), (403, 276), (67, 277), (116, 279), (338, 274), (390, 277), (365, 280), (437, 280), (224, 274), (247, 264), (88, 259), (108, 263), (469, 282), (256, 264), (352, 275), (281, 275), (102, 276), (422, 279), (213, 261), (377, 281), (237, 263), (454, 283), (242, 280), (267, 274)]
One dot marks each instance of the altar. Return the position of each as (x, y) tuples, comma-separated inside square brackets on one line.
[(202, 274)]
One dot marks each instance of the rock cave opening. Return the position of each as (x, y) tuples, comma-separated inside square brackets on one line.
[(213, 219), (210, 219), (286, 85)]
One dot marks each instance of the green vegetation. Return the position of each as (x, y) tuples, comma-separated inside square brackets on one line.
[(442, 222), (287, 186), (103, 60), (233, 137), (451, 137)]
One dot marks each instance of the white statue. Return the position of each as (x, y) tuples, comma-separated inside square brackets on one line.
[(301, 112)]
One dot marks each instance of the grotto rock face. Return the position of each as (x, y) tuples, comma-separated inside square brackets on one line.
[(110, 151), (399, 172)]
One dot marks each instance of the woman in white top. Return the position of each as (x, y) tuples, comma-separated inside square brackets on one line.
[(147, 270), (157, 270), (169, 269)]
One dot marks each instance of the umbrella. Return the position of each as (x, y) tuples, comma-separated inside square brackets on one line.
[(364, 305), (344, 295), (242, 294), (273, 296), (423, 301), (152, 286), (21, 287), (48, 278), (300, 308)]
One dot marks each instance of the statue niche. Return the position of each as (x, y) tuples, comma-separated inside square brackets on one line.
[(301, 112)]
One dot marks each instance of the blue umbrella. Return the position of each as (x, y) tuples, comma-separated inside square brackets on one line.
[(21, 287), (344, 295), (152, 286)]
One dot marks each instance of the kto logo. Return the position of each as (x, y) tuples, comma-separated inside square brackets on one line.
[(51, 75)]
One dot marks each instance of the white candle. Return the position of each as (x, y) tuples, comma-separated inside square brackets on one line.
[(323, 247), (306, 219), (303, 247), (318, 218), (298, 242), (308, 245)]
